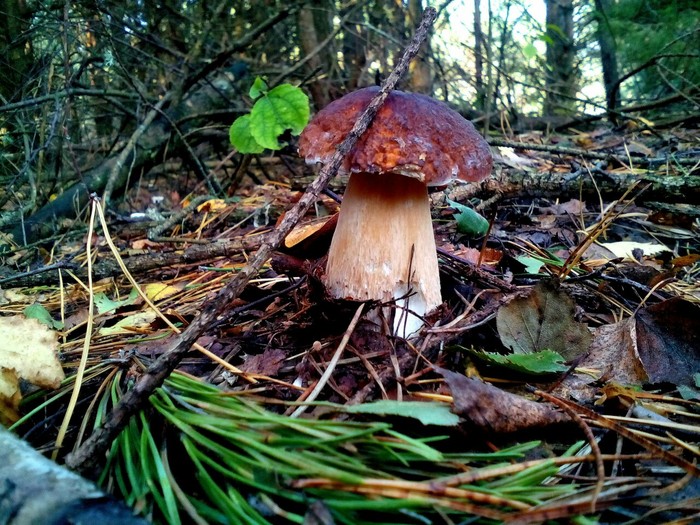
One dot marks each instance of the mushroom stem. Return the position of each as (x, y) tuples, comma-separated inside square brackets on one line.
[(383, 248)]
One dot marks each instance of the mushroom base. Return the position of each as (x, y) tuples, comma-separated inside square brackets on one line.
[(383, 249)]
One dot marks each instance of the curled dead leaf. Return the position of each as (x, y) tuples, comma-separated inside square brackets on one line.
[(495, 411)]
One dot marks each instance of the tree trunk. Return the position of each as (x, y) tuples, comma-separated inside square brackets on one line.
[(560, 79), (478, 57), (505, 37), (421, 76), (308, 42), (354, 54), (608, 57), (15, 48)]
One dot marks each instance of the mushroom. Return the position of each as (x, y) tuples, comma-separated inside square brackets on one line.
[(383, 248)]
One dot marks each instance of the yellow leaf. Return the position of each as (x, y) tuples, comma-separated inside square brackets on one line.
[(158, 291)]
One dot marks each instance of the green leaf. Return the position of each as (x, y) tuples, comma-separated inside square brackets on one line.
[(283, 108), (41, 314), (240, 136), (532, 265), (530, 51), (258, 88), (554, 28), (427, 413), (544, 362), (104, 304), (469, 222)]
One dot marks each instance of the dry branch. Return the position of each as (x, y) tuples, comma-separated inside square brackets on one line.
[(145, 148)]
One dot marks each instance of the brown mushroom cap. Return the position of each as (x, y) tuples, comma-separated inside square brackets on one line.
[(412, 134)]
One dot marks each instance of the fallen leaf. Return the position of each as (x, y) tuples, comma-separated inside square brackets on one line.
[(685, 260), (28, 350), (426, 412), (495, 411), (212, 205), (104, 304), (159, 291), (613, 352), (543, 320), (469, 221), (625, 249), (573, 207), (668, 341), (660, 344), (532, 265), (40, 313), (130, 324), (544, 362), (268, 363), (311, 240)]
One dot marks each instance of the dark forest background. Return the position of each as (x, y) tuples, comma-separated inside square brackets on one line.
[(104, 96)]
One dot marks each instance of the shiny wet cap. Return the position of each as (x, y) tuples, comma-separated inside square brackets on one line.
[(412, 134)]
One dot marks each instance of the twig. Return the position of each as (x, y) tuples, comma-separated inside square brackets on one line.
[(332, 364), (70, 92), (599, 465), (126, 153), (576, 152), (94, 448)]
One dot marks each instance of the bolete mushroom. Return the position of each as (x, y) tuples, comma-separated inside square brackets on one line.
[(383, 248)]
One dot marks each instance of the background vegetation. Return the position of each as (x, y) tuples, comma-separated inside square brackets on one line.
[(101, 96)]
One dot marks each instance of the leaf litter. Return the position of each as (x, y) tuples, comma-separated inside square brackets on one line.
[(616, 331)]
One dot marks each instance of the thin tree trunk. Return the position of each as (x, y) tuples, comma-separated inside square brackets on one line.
[(505, 35), (478, 57), (560, 79), (608, 57), (421, 76), (308, 41), (354, 55), (16, 56)]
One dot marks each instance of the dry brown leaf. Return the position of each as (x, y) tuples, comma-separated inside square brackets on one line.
[(613, 352), (660, 344), (495, 411), (543, 320), (267, 364), (668, 341), (27, 351)]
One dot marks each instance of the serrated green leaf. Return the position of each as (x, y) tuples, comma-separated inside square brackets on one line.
[(544, 362), (240, 136), (258, 88), (40, 313), (469, 222), (427, 413), (283, 108)]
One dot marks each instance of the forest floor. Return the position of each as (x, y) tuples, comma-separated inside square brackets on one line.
[(572, 322)]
